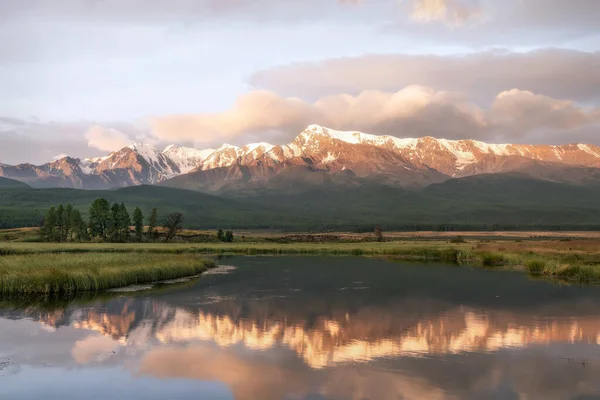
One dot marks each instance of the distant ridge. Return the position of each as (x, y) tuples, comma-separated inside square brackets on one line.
[(400, 162), (6, 183)]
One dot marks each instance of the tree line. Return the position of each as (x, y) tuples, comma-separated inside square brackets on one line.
[(107, 222), (225, 236)]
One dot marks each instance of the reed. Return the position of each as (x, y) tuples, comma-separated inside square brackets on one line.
[(69, 273), (536, 266)]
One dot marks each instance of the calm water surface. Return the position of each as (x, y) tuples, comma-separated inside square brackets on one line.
[(313, 328)]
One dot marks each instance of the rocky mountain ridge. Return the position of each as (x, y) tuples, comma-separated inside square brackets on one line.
[(329, 153)]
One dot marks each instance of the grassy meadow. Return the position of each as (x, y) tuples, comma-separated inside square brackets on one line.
[(572, 259), (33, 267), (67, 273)]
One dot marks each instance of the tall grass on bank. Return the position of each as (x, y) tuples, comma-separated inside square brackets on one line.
[(555, 269), (73, 273)]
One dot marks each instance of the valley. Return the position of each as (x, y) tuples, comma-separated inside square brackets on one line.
[(483, 202), (328, 180)]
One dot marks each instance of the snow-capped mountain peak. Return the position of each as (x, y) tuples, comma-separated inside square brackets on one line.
[(317, 148), (265, 147), (186, 158), (356, 137)]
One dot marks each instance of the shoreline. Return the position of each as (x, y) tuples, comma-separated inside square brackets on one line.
[(577, 260)]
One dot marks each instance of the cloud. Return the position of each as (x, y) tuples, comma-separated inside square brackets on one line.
[(38, 142), (553, 72), (94, 349), (414, 111), (106, 139), (520, 111), (142, 11), (60, 156), (514, 115), (501, 23), (59, 30), (450, 12)]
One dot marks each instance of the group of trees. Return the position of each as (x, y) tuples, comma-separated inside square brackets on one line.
[(225, 236), (112, 222), (107, 222), (64, 223)]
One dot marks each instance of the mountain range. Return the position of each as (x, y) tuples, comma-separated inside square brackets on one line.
[(317, 157)]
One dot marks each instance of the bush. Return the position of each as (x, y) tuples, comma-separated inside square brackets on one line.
[(451, 255), (536, 266), (458, 240), (492, 259)]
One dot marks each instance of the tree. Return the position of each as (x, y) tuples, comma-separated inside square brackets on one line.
[(123, 223), (138, 221), (68, 223), (60, 223), (152, 231), (78, 226), (221, 235), (119, 223), (379, 233), (99, 218), (229, 236), (113, 225), (49, 226), (173, 223)]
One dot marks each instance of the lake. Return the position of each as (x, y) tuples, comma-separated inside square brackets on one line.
[(313, 328)]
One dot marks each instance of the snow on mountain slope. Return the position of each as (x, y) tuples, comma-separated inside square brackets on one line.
[(457, 157), (358, 137), (155, 158), (316, 147), (186, 158)]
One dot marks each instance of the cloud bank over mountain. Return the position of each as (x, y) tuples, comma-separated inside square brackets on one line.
[(86, 77)]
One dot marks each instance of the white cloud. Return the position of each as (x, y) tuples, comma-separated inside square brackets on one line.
[(414, 111), (520, 110), (107, 139), (450, 12), (60, 156), (553, 72)]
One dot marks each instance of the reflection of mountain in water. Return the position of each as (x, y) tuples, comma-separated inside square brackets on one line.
[(408, 328), (281, 328)]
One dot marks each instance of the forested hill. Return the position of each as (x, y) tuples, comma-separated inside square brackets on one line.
[(500, 201), (6, 183)]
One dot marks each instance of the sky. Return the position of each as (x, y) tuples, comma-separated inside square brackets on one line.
[(87, 77)]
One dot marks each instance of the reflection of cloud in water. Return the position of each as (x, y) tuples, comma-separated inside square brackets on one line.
[(220, 270), (95, 349), (252, 377), (352, 337), (399, 351), (331, 342), (258, 376), (207, 300)]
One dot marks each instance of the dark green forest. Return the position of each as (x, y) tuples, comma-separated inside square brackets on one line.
[(484, 202)]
